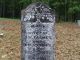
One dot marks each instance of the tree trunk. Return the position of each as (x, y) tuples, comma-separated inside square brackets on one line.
[(4, 8), (1, 8)]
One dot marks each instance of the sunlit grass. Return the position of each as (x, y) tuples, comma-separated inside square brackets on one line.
[(8, 19)]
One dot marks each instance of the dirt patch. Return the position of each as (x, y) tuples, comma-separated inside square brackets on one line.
[(67, 41), (10, 42)]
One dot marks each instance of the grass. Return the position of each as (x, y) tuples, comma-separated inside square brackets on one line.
[(67, 40), (8, 19)]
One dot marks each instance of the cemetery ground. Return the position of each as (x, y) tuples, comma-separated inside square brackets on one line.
[(67, 40)]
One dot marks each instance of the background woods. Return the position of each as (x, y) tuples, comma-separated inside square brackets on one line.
[(66, 10)]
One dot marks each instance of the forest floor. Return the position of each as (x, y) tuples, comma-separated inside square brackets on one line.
[(67, 40)]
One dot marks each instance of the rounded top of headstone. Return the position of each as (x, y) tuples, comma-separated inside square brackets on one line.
[(38, 11)]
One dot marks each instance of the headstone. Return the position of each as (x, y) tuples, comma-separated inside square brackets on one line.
[(38, 34)]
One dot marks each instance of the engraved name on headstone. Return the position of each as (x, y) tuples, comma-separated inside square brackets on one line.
[(38, 35)]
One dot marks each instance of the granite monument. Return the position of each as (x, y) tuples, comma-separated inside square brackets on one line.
[(38, 32)]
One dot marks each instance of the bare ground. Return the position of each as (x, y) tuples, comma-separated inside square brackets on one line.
[(67, 40)]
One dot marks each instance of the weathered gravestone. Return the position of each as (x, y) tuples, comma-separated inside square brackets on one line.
[(38, 35)]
